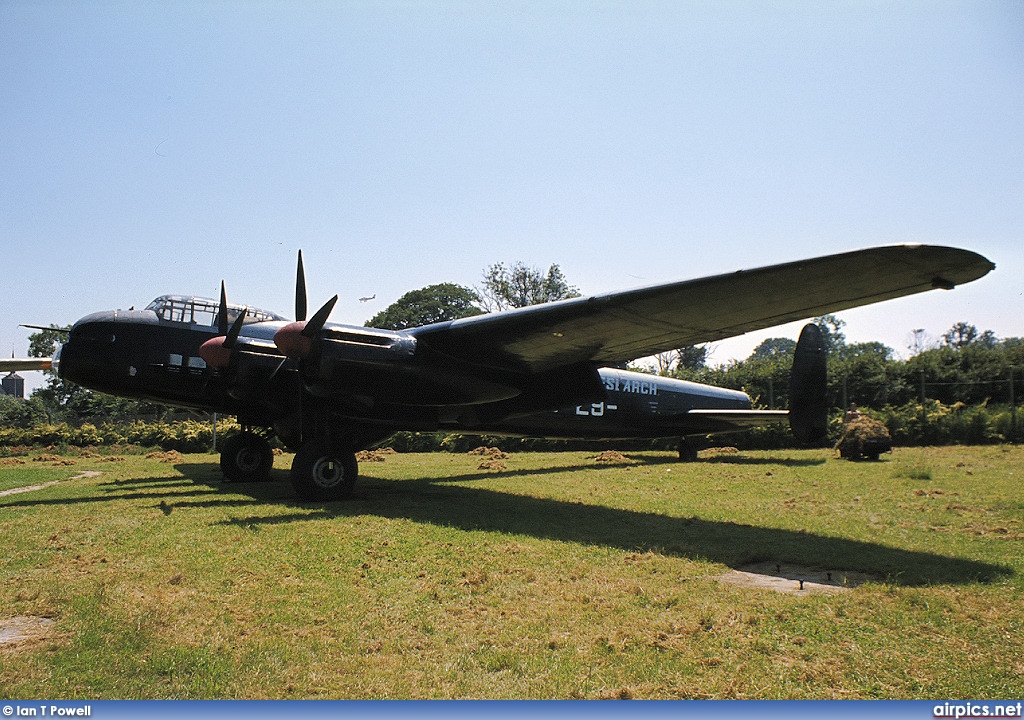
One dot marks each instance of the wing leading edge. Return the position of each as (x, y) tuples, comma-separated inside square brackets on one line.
[(622, 326), (15, 364)]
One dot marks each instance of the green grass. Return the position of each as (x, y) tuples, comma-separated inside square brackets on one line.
[(555, 578)]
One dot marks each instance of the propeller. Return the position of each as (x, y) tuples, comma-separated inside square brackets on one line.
[(297, 339), (216, 352)]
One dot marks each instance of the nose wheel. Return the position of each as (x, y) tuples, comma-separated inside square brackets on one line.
[(322, 472)]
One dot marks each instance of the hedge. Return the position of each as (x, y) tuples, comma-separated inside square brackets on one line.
[(929, 423)]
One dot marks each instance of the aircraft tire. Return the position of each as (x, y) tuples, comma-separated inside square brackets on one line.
[(246, 458), (321, 472), (687, 452)]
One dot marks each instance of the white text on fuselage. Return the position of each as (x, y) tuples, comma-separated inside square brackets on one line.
[(630, 385), (595, 409)]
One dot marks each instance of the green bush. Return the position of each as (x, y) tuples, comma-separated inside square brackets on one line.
[(933, 423)]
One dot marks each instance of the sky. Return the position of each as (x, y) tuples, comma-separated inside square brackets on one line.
[(155, 148)]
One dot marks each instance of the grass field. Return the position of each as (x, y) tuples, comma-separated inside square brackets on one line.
[(557, 577)]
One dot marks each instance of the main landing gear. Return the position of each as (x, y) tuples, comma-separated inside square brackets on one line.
[(246, 457), (687, 451), (321, 471)]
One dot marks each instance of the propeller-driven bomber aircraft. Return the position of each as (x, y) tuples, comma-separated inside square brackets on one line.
[(328, 390)]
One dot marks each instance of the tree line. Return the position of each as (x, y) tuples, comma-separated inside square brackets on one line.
[(966, 367)]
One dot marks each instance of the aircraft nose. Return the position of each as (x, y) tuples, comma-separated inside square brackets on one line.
[(95, 326), (84, 355)]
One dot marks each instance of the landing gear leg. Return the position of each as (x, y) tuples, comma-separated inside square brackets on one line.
[(687, 452), (322, 472), (246, 458)]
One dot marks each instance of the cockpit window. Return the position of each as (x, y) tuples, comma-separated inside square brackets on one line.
[(203, 311)]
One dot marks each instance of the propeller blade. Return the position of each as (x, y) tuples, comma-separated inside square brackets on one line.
[(277, 369), (222, 312), (236, 328), (217, 352), (317, 322), (300, 291)]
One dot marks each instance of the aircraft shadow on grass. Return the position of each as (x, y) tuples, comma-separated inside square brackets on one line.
[(447, 501)]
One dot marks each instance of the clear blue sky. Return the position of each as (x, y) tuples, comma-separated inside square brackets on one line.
[(150, 148)]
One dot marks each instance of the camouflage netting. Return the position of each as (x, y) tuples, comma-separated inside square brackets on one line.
[(864, 437)]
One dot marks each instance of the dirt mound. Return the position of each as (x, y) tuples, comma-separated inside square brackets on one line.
[(490, 452), (371, 456), (612, 456), (171, 456)]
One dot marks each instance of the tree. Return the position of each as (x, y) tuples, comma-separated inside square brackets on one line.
[(520, 286), (831, 327), (432, 304), (686, 361), (21, 413), (57, 392), (960, 335), (919, 341), (692, 357), (774, 348), (866, 371)]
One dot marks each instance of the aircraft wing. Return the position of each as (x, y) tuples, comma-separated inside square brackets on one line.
[(15, 364), (622, 326)]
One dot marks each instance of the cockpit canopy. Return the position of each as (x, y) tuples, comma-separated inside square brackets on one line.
[(203, 311)]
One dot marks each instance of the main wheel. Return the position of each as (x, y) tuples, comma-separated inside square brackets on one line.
[(246, 458), (322, 472), (687, 452)]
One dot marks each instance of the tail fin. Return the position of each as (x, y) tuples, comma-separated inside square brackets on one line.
[(807, 406)]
